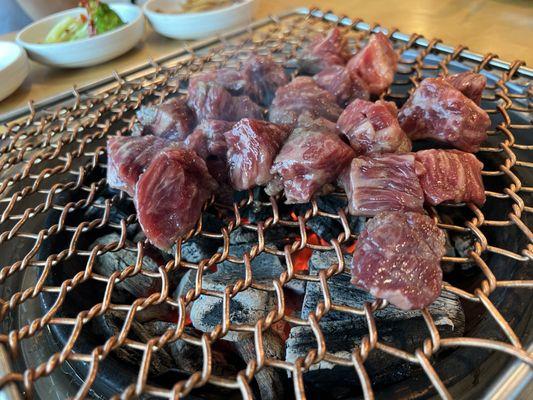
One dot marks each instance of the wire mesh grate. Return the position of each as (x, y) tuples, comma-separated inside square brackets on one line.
[(52, 170)]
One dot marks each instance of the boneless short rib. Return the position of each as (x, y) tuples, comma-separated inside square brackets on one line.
[(375, 64), (264, 77), (451, 176), (336, 80), (208, 139), (324, 51), (252, 146), (303, 95), (397, 258), (383, 183), (468, 83), (438, 111), (170, 194), (373, 128), (312, 157), (127, 158), (171, 120)]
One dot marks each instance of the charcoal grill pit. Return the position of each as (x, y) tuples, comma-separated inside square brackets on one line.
[(54, 205)]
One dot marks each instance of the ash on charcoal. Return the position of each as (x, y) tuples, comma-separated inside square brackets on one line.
[(270, 381), (275, 236), (189, 357), (110, 324), (138, 285), (118, 212), (342, 331), (248, 306)]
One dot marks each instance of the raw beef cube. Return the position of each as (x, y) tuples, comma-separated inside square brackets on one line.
[(301, 95), (252, 147), (373, 127), (397, 258), (313, 156), (209, 101), (208, 139), (383, 183), (170, 195), (230, 79), (264, 77), (128, 157), (468, 83), (243, 107), (438, 111), (337, 81), (324, 51), (451, 175), (171, 120), (212, 101), (375, 64)]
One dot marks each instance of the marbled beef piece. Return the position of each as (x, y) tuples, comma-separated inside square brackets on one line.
[(468, 83), (375, 64), (170, 195), (388, 182), (452, 176), (128, 157), (232, 80), (336, 80), (171, 120), (302, 95), (313, 156), (438, 111), (397, 258), (252, 147), (212, 101), (264, 77), (324, 51), (208, 139), (373, 127)]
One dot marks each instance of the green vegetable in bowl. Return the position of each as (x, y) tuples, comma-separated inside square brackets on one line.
[(100, 19)]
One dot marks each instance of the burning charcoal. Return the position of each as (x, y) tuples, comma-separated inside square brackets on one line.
[(343, 331), (242, 235), (110, 324), (247, 306), (158, 313), (138, 285), (187, 357), (269, 380), (446, 310), (117, 213)]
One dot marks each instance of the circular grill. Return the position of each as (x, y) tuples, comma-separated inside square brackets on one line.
[(52, 170)]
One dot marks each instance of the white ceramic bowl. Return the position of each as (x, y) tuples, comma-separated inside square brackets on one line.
[(177, 25), (84, 52), (14, 68)]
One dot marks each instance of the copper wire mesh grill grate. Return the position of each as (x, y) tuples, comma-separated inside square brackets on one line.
[(52, 153)]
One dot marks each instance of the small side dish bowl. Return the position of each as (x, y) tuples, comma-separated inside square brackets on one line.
[(84, 52), (167, 20), (14, 68)]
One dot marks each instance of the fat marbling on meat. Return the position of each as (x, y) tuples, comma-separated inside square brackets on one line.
[(302, 95), (172, 119), (232, 80), (438, 111), (324, 51), (336, 80), (451, 176), (373, 127), (252, 146), (468, 83), (170, 195), (264, 76), (375, 64), (128, 157), (388, 182), (208, 139), (313, 156), (397, 258)]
